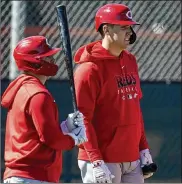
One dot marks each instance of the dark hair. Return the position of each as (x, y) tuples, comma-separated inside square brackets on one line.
[(100, 30)]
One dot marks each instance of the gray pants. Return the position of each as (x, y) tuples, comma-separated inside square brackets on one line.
[(15, 179), (127, 172)]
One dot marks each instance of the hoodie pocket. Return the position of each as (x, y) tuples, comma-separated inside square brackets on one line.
[(124, 145)]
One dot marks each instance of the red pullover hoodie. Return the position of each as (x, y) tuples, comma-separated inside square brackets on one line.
[(108, 94), (33, 141)]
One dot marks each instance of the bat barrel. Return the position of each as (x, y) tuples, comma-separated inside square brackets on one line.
[(65, 38)]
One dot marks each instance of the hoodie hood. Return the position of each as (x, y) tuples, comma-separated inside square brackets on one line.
[(92, 52), (12, 89)]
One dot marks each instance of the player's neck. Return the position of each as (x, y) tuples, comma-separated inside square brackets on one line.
[(42, 78), (111, 47)]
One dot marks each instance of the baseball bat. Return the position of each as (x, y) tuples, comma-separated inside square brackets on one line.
[(66, 46)]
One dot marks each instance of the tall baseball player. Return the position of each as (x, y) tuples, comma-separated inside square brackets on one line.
[(34, 137), (108, 94)]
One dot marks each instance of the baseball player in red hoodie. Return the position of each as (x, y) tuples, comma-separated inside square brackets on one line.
[(108, 94), (34, 137)]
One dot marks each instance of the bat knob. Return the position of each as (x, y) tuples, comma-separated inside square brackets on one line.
[(149, 168)]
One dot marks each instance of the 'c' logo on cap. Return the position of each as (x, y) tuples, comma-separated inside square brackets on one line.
[(47, 43), (129, 14)]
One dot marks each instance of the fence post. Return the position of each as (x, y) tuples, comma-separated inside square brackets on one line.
[(17, 32)]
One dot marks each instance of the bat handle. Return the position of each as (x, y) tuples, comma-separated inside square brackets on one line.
[(75, 109)]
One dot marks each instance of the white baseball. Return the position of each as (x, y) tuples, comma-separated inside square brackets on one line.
[(158, 28)]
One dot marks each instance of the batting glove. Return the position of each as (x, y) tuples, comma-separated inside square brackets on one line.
[(78, 134), (74, 120), (148, 167), (101, 173)]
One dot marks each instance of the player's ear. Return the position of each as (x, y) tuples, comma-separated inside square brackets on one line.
[(105, 29)]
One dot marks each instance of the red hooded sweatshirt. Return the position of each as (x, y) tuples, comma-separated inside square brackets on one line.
[(108, 94), (33, 141)]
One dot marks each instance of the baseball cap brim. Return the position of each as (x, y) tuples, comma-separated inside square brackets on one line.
[(50, 52)]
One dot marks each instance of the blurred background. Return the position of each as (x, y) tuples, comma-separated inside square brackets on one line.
[(158, 52)]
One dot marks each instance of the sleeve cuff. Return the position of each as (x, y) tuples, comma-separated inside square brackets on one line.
[(94, 155)]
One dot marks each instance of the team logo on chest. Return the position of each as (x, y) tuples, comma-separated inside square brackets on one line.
[(126, 80), (126, 85)]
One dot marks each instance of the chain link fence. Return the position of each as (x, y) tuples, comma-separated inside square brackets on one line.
[(158, 47)]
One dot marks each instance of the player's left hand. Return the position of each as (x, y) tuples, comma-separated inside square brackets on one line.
[(148, 167), (79, 135)]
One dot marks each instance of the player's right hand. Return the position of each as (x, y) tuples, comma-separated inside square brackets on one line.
[(74, 119), (101, 173)]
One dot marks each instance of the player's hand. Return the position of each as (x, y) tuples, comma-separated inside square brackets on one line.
[(148, 167), (74, 120), (78, 134), (101, 173)]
